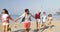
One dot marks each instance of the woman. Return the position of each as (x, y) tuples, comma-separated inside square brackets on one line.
[(37, 17), (5, 17)]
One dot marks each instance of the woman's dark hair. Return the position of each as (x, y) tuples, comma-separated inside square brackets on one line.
[(6, 11), (50, 15), (26, 10)]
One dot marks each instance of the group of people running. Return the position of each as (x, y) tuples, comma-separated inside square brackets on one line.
[(26, 18)]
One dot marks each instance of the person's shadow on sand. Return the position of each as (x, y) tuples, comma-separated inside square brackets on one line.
[(20, 30), (41, 29), (52, 26), (46, 28), (35, 30)]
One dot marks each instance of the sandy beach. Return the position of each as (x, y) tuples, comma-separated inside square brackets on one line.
[(19, 27)]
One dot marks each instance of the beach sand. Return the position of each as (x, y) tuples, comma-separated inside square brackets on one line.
[(19, 27)]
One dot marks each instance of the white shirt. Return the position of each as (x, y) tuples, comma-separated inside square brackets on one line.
[(26, 17), (44, 18), (4, 16)]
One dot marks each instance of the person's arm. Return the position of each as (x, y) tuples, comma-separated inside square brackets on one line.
[(32, 15), (20, 17), (0, 17), (17, 19), (10, 18)]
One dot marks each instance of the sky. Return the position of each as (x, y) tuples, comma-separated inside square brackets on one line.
[(17, 7)]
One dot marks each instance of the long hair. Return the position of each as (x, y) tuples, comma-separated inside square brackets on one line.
[(6, 11)]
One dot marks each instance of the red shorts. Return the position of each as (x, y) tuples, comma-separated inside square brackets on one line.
[(27, 24)]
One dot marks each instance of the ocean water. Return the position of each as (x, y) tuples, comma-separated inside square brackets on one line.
[(55, 17)]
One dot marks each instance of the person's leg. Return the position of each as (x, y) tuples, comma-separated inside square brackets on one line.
[(7, 27), (25, 24), (44, 24), (39, 25), (4, 27), (28, 26), (50, 24)]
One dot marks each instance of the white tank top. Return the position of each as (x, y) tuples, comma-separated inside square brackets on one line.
[(27, 18), (4, 16)]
